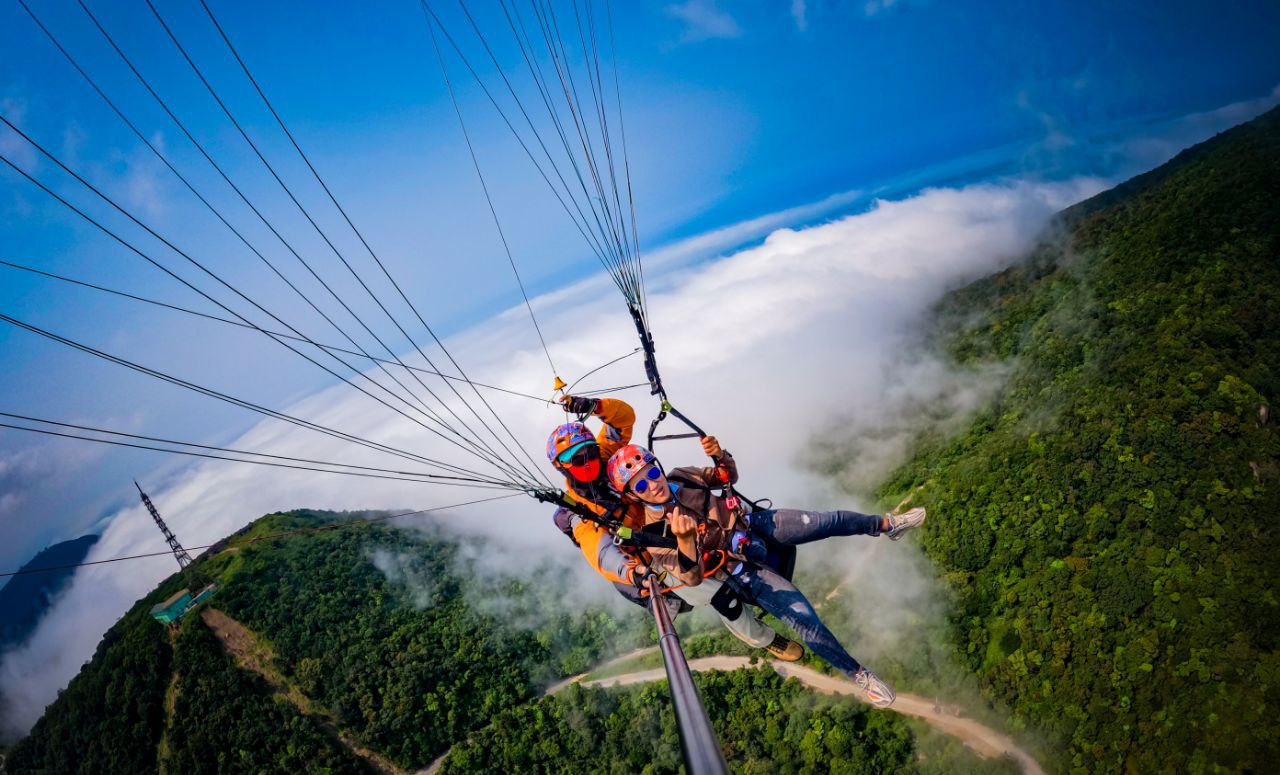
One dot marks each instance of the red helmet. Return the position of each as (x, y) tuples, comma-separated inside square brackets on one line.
[(625, 463)]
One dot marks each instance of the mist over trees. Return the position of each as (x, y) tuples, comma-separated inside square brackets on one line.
[(1107, 527), (1109, 524)]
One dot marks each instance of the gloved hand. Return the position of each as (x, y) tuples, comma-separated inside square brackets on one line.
[(641, 574), (579, 404)]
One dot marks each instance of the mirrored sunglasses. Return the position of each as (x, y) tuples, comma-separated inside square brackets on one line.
[(642, 485)]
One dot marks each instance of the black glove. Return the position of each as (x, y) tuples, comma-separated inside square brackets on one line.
[(580, 405)]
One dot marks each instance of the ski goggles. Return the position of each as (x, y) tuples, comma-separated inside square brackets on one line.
[(584, 454), (641, 484)]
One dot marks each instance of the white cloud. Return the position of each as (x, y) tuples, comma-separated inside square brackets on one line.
[(20, 472), (703, 20), (799, 12), (19, 151), (404, 572), (1155, 147), (1055, 139), (765, 348), (31, 466), (924, 396), (874, 7), (144, 186), (73, 141)]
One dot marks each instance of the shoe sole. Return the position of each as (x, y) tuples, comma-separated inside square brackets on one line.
[(780, 654), (904, 530), (880, 701)]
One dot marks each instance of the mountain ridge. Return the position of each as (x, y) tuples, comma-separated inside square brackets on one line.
[(1100, 525), (26, 597)]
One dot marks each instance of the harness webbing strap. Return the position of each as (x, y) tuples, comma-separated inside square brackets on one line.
[(650, 359), (623, 535)]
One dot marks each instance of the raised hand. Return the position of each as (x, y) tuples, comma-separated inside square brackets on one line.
[(578, 404), (682, 524)]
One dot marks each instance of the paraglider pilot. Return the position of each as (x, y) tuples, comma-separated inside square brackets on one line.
[(580, 455)]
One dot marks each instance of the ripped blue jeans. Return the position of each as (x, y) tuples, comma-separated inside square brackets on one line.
[(794, 526), (767, 589), (772, 592)]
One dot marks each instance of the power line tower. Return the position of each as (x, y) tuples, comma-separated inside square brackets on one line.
[(179, 553)]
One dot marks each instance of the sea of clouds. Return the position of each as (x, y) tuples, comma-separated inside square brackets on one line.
[(767, 348), (812, 334)]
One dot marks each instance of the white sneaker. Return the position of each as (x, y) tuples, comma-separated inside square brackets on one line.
[(873, 689), (901, 523)]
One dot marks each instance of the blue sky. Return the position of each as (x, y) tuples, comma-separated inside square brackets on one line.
[(734, 111)]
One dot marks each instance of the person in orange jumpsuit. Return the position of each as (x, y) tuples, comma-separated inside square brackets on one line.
[(579, 454)]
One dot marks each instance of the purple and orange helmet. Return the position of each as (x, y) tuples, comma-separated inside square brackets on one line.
[(566, 439)]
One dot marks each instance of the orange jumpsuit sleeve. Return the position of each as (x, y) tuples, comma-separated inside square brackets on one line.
[(619, 422), (602, 554)]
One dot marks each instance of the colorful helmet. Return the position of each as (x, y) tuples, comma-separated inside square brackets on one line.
[(625, 463), (567, 437)]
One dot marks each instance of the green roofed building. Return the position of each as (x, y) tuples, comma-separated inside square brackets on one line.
[(173, 609)]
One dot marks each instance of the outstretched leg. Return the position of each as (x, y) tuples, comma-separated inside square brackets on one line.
[(781, 598), (793, 526)]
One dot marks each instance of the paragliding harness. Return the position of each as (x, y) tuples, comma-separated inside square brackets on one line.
[(728, 600), (781, 558)]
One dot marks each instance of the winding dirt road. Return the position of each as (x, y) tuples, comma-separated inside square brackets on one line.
[(556, 688), (983, 740)]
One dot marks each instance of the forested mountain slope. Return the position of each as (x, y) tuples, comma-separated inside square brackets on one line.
[(1110, 525), (399, 657), (25, 599), (766, 725), (377, 649)]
